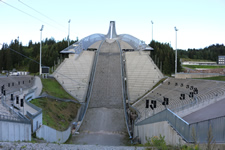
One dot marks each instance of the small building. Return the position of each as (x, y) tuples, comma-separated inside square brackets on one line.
[(198, 63), (221, 60)]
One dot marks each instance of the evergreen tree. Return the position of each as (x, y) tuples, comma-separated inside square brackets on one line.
[(164, 54)]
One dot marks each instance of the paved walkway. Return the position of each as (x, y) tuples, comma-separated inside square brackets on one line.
[(104, 123), (51, 146)]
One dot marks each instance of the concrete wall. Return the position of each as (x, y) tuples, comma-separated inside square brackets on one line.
[(37, 117), (13, 131), (37, 122), (52, 135), (195, 75), (157, 129)]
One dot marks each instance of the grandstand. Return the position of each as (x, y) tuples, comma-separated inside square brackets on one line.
[(142, 74), (173, 88), (13, 84), (14, 125), (184, 114), (73, 74)]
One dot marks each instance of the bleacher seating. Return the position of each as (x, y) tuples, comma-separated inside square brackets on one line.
[(73, 74), (142, 74), (13, 84), (173, 88)]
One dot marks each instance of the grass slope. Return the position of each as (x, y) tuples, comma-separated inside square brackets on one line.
[(196, 60), (56, 114), (203, 66), (53, 88), (218, 78)]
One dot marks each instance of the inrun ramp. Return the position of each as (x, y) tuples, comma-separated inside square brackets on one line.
[(104, 123)]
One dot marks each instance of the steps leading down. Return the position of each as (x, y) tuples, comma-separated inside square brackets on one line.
[(104, 123)]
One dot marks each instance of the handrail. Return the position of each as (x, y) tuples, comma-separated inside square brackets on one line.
[(172, 118), (185, 130), (16, 118), (124, 90)]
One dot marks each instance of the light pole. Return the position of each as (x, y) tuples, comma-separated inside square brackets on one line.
[(176, 50), (69, 32), (152, 29), (40, 46)]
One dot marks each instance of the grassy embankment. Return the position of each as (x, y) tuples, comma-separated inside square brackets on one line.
[(203, 66), (196, 60), (56, 114), (218, 78)]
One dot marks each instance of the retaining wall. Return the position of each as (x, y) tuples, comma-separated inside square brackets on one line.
[(157, 129), (52, 135), (36, 119), (13, 131)]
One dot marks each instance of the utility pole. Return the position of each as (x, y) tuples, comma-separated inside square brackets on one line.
[(69, 32), (176, 50), (40, 46), (152, 29)]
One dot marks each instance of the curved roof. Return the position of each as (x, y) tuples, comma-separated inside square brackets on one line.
[(84, 43)]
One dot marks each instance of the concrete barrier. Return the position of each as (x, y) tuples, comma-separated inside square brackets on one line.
[(51, 135), (13, 131), (157, 129)]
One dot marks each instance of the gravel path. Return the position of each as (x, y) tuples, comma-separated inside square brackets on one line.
[(49, 146)]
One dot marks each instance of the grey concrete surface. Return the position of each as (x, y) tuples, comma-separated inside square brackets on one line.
[(125, 45), (38, 85), (95, 45), (73, 74), (142, 74), (104, 123), (212, 111), (158, 129)]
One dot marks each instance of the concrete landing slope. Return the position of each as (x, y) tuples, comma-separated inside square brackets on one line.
[(104, 123)]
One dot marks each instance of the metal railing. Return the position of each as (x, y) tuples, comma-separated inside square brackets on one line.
[(124, 90), (14, 116), (186, 130), (84, 107)]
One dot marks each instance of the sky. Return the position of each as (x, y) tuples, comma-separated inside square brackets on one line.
[(200, 23)]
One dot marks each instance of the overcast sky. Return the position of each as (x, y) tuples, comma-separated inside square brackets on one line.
[(200, 23)]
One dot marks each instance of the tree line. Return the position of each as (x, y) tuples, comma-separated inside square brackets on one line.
[(208, 53), (9, 58), (164, 57)]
